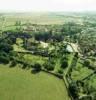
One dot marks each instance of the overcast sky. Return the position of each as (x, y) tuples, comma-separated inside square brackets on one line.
[(47, 5)]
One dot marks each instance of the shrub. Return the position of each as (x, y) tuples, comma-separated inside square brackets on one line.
[(76, 55), (4, 60), (25, 65), (73, 90), (49, 66), (2, 53), (64, 64), (13, 53), (87, 62), (37, 67), (5, 47), (60, 71), (64, 57), (13, 63)]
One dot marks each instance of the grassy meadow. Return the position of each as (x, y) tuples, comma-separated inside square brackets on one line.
[(18, 84)]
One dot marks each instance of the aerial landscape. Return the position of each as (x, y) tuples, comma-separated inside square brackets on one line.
[(55, 56), (48, 55)]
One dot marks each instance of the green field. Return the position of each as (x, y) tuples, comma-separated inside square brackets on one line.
[(34, 59), (19, 84), (36, 18), (80, 72)]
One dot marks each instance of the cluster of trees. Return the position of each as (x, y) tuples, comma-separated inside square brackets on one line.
[(71, 28), (46, 36), (64, 62), (87, 62), (5, 49), (4, 59), (87, 41), (49, 65), (77, 88), (73, 88), (60, 71)]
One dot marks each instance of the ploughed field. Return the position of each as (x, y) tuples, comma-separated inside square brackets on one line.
[(20, 84)]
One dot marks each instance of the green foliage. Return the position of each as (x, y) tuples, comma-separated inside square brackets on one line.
[(71, 28), (4, 60), (13, 63), (64, 57), (43, 36), (13, 53), (76, 55), (37, 67), (25, 65), (48, 66), (74, 90), (60, 71), (6, 47), (64, 64), (2, 53), (87, 62)]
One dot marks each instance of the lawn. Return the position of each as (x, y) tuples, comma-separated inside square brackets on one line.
[(34, 58), (19, 84), (80, 72), (70, 58)]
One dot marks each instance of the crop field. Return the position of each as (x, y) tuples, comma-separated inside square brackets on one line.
[(36, 18), (18, 84)]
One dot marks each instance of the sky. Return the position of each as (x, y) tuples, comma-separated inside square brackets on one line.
[(47, 5)]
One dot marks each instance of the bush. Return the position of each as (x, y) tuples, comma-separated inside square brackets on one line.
[(87, 62), (73, 90), (5, 47), (37, 67), (64, 58), (49, 66), (13, 63), (25, 65), (60, 71), (64, 64), (2, 53), (4, 60), (76, 55), (13, 53)]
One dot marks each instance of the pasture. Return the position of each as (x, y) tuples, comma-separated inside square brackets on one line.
[(19, 84)]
